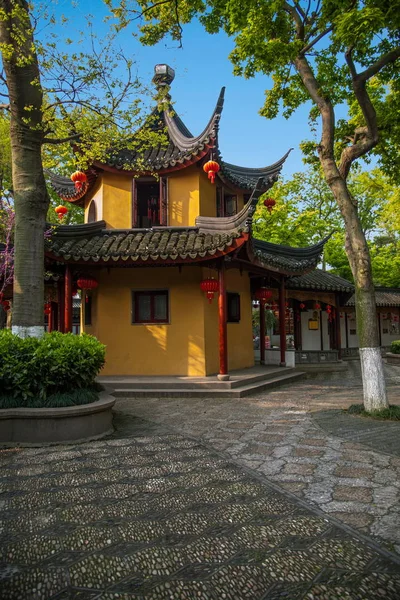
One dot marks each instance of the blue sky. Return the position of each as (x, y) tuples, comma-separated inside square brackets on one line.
[(201, 68)]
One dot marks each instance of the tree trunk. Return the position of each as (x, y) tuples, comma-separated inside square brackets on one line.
[(30, 194), (357, 251)]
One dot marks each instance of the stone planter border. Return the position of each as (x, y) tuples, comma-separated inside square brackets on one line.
[(393, 359), (70, 424)]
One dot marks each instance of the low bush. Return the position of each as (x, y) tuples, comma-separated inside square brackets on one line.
[(392, 413), (395, 347), (56, 364), (58, 400)]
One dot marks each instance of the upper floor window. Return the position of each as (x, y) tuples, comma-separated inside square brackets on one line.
[(92, 212), (226, 203), (149, 206)]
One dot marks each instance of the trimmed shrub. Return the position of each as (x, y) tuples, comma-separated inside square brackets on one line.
[(395, 347), (57, 363)]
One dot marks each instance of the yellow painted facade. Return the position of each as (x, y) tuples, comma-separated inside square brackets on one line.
[(189, 344)]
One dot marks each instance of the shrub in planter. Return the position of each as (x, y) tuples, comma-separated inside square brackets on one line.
[(395, 347), (33, 369)]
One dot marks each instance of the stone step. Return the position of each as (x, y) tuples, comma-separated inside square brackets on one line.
[(179, 392), (191, 383)]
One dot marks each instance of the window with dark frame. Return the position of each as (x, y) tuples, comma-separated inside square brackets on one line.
[(150, 307), (233, 307)]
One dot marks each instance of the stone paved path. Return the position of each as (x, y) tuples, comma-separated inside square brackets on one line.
[(152, 515), (276, 435)]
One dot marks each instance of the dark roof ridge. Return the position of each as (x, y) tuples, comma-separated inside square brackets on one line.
[(309, 251), (241, 220), (262, 170), (177, 129)]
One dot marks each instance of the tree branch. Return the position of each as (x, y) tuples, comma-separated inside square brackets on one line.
[(365, 138), (316, 40), (56, 141), (4, 107), (384, 60)]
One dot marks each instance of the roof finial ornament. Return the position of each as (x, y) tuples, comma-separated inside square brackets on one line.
[(163, 76)]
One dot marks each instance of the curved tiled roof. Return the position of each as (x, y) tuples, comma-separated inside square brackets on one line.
[(285, 258), (320, 280), (93, 243), (246, 178), (383, 296)]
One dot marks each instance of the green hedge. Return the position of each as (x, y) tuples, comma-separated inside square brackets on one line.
[(57, 363), (395, 347)]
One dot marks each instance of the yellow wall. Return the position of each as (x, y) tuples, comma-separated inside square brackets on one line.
[(117, 200), (173, 349), (240, 335), (183, 197), (208, 196)]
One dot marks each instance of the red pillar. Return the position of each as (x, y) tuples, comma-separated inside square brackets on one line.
[(61, 305), (223, 337), (50, 319), (68, 300), (337, 325), (282, 322), (262, 333)]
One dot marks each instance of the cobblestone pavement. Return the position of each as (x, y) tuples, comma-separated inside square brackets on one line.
[(276, 434), (150, 514)]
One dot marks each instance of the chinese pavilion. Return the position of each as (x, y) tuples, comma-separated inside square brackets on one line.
[(158, 244)]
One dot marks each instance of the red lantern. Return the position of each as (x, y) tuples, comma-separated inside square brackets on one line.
[(6, 305), (61, 211), (211, 168), (317, 306), (210, 287), (87, 283), (47, 308), (79, 178), (302, 306), (263, 295), (328, 308), (269, 203)]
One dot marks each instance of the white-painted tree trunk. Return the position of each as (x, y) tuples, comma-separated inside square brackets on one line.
[(373, 377), (24, 332)]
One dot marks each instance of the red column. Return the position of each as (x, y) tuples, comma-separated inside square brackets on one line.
[(50, 323), (262, 333), (68, 300), (282, 324), (223, 337), (337, 325), (61, 306)]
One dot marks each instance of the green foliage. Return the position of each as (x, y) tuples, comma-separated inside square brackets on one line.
[(391, 413), (306, 212), (395, 347), (57, 400), (40, 367)]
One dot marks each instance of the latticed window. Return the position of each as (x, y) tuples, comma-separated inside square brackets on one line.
[(150, 307)]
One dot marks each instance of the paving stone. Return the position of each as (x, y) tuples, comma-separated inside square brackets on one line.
[(356, 472), (308, 452), (359, 520), (361, 494), (299, 469)]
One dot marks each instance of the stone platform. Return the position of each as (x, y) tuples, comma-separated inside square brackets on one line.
[(241, 383)]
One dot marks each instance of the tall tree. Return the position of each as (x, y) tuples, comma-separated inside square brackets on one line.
[(56, 95), (330, 52)]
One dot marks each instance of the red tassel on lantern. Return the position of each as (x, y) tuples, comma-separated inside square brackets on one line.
[(210, 287), (61, 211), (269, 204), (211, 168), (79, 178)]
